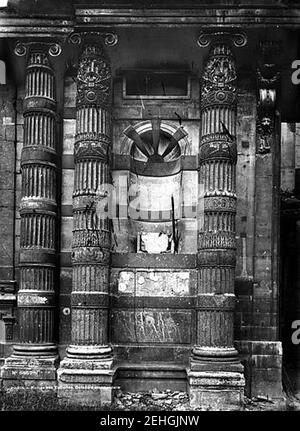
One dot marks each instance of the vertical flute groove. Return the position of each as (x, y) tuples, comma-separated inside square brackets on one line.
[(38, 207), (91, 240), (216, 236)]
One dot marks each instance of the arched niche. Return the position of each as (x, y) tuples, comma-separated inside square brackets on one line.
[(156, 150)]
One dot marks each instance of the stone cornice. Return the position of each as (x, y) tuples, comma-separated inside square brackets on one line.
[(19, 27), (206, 15), (252, 15)]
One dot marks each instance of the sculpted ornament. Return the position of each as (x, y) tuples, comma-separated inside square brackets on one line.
[(88, 254), (219, 73), (266, 109), (91, 238), (205, 38), (265, 128), (110, 38), (217, 148), (21, 48), (220, 239), (92, 149), (220, 204), (268, 80), (93, 78)]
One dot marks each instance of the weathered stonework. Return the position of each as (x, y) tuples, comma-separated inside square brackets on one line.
[(148, 326), (214, 361), (35, 356), (87, 366), (154, 283), (7, 228), (129, 303)]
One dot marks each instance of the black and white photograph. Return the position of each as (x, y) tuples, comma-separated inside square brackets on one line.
[(149, 210)]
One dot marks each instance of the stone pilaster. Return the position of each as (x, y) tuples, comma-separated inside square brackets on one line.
[(35, 356), (216, 376), (266, 347), (86, 373)]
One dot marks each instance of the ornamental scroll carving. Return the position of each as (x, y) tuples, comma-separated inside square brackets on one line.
[(21, 48), (110, 38), (205, 38)]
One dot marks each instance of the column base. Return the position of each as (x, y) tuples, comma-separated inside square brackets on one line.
[(29, 372), (214, 384), (86, 381)]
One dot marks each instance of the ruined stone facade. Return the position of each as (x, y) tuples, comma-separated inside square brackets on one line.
[(149, 199)]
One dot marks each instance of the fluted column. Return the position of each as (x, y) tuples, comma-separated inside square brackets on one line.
[(91, 235), (216, 230), (216, 221), (38, 212), (90, 349)]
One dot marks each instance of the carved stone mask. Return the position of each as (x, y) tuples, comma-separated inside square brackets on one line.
[(266, 124)]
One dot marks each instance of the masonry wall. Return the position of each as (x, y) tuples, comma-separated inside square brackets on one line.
[(256, 319), (7, 220)]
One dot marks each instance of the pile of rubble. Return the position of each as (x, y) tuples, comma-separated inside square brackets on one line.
[(179, 401), (151, 401)]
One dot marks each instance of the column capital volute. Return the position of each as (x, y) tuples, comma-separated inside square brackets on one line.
[(80, 38), (23, 47), (237, 39)]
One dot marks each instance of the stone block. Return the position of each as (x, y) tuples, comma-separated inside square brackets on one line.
[(266, 347), (178, 354), (67, 186), (127, 112), (147, 376), (144, 326), (10, 132), (17, 385), (66, 275), (85, 383), (192, 129), (188, 236), (85, 395), (263, 319), (31, 368), (264, 169), (263, 367), (66, 233), (69, 128), (154, 283), (70, 90), (216, 390), (266, 361), (262, 304), (266, 382)]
